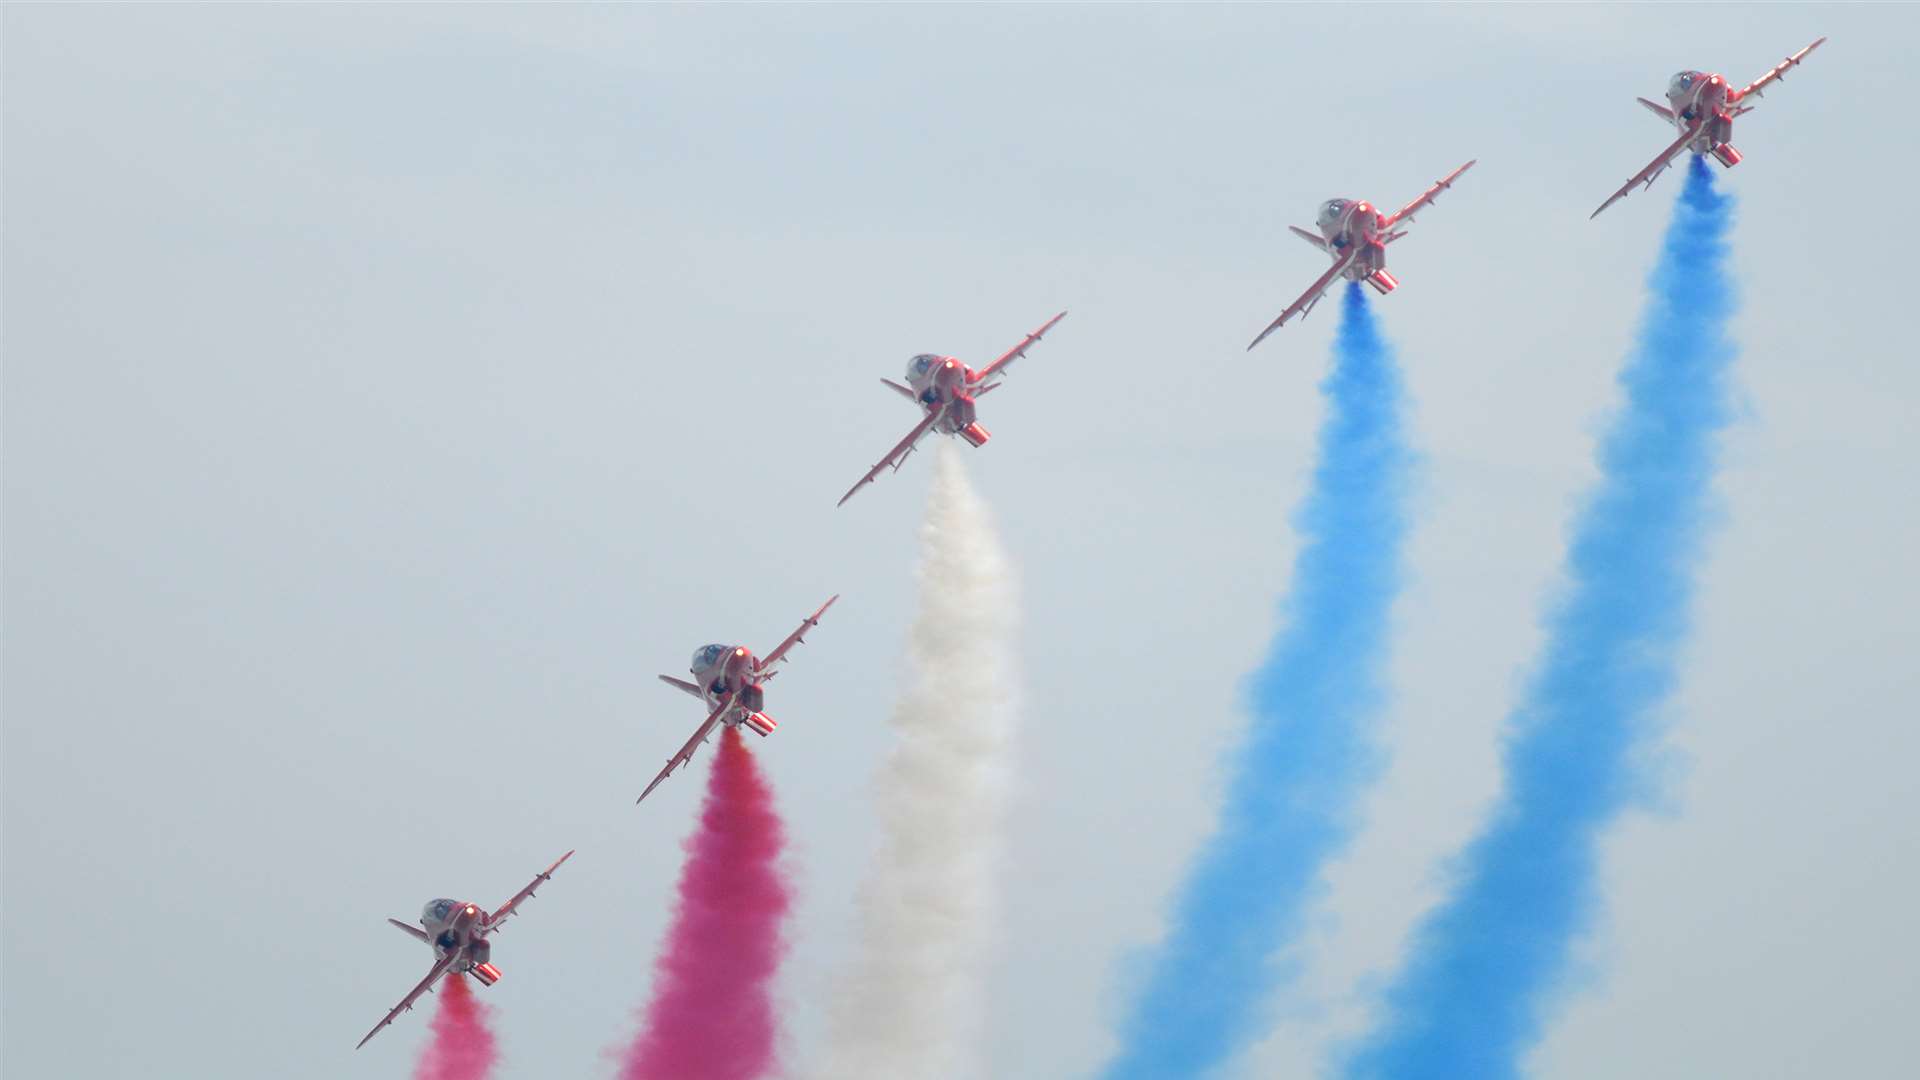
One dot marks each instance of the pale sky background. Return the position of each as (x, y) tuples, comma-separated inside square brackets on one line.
[(391, 393)]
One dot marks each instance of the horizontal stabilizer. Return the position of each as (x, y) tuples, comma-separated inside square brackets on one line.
[(414, 930), (682, 685), (1660, 111), (898, 389), (1312, 238)]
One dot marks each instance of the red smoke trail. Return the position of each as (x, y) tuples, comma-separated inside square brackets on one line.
[(711, 1017), (462, 1047)]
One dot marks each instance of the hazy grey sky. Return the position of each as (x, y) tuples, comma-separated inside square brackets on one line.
[(392, 392)]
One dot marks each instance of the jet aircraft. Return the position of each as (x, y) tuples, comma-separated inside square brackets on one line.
[(1702, 106), (1355, 235), (946, 389), (731, 681), (457, 933)]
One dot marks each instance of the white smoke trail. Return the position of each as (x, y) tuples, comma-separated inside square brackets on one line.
[(911, 1004)]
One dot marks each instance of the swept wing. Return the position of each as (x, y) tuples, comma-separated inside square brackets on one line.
[(1780, 69), (795, 638), (685, 753), (505, 910), (1016, 352), (896, 455), (1427, 197), (439, 968), (1311, 296), (1654, 168)]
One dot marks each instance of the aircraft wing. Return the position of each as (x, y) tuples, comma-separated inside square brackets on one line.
[(1779, 70), (504, 910), (1427, 197), (426, 984), (796, 637), (1016, 352), (894, 456), (1654, 168), (685, 753), (1307, 298)]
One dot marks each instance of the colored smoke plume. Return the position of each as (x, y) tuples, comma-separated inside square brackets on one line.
[(1306, 753), (1472, 997), (462, 1046), (712, 1014), (911, 1003)]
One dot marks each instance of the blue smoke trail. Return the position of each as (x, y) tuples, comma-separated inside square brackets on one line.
[(1287, 807), (1469, 1002)]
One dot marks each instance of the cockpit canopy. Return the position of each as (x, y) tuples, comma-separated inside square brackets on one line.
[(1331, 210), (918, 367), (438, 911), (708, 656), (1682, 83)]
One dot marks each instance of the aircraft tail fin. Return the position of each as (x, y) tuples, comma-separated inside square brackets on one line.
[(761, 723), (1726, 155)]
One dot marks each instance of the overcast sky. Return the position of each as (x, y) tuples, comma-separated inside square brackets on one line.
[(392, 392)]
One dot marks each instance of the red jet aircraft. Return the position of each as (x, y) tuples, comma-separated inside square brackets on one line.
[(946, 389), (1703, 106), (457, 933), (1355, 235), (731, 681)]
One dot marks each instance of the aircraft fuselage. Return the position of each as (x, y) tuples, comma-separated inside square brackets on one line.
[(946, 388), (453, 928), (720, 670)]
